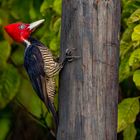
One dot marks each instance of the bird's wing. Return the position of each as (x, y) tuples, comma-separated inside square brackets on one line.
[(33, 64)]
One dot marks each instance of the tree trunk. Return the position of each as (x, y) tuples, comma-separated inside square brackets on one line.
[(88, 91)]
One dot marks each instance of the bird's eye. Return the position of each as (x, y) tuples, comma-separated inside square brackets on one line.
[(22, 26)]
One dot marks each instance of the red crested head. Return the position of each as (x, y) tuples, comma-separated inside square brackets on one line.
[(21, 31), (18, 31)]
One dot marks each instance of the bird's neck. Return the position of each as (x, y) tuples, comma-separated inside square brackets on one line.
[(32, 41), (27, 42)]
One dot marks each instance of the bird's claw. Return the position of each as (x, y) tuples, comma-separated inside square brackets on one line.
[(69, 51), (69, 55)]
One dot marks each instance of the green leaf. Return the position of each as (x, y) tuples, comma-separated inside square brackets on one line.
[(136, 78), (130, 132), (9, 85), (134, 17), (56, 25), (29, 99), (126, 36), (124, 2), (18, 56), (36, 4), (127, 112), (4, 127), (124, 69), (55, 44), (32, 12), (134, 60), (3, 16), (49, 120), (129, 7), (57, 6), (125, 48), (20, 10), (45, 5), (5, 50), (136, 33)]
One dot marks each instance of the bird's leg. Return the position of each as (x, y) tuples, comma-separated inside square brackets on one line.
[(57, 59)]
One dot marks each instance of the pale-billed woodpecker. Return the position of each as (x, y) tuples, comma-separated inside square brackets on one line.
[(38, 62)]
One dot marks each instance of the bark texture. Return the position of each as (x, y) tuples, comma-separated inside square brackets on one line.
[(88, 91)]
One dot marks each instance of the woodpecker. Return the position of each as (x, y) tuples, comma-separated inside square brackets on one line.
[(38, 62)]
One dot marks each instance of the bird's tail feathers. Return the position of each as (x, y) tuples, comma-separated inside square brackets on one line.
[(54, 113)]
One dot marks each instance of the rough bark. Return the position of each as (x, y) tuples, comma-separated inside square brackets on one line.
[(88, 91)]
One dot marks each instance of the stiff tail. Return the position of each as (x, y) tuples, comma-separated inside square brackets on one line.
[(55, 116), (54, 113)]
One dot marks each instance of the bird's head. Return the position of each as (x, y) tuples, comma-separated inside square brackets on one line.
[(21, 31)]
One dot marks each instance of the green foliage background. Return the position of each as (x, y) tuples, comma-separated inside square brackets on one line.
[(129, 71), (16, 94), (18, 100)]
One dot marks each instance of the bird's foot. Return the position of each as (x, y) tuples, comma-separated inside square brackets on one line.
[(69, 55)]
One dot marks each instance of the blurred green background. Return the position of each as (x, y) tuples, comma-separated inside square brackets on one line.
[(22, 115)]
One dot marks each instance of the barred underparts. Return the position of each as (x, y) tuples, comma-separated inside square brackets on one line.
[(51, 68)]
